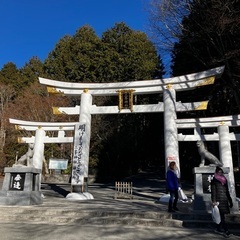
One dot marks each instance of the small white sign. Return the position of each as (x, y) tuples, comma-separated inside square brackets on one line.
[(56, 163)]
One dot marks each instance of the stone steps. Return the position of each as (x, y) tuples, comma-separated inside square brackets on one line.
[(92, 221), (131, 222), (143, 210), (60, 216)]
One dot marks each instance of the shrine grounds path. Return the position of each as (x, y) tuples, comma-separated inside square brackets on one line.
[(147, 190)]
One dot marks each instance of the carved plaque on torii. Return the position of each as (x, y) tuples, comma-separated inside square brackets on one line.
[(125, 99)]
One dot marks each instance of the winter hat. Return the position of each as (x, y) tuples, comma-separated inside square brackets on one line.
[(218, 169)]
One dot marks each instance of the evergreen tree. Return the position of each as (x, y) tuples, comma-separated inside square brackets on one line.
[(134, 57), (31, 71), (75, 58), (210, 38), (11, 76)]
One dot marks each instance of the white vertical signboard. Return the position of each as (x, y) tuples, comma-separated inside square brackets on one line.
[(79, 165)]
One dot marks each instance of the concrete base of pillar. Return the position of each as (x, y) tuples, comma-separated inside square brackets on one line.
[(21, 186), (20, 198), (202, 194), (79, 196), (202, 203)]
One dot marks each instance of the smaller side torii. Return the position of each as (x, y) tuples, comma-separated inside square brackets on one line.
[(223, 135), (37, 152)]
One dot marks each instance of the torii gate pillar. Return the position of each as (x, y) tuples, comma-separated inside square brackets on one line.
[(170, 128), (38, 154), (225, 153)]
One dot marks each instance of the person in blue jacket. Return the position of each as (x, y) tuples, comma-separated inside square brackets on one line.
[(172, 187)]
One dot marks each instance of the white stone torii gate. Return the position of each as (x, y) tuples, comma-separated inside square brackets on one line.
[(168, 87), (40, 137), (223, 136)]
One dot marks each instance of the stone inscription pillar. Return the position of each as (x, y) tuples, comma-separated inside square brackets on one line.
[(84, 120)]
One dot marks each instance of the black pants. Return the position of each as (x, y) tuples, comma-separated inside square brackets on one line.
[(173, 199), (222, 225)]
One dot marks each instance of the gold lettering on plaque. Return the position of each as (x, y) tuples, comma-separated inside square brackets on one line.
[(125, 98)]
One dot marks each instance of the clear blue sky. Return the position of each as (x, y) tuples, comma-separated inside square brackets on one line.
[(33, 27)]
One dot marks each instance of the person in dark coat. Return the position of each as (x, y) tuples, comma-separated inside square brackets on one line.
[(220, 193), (172, 187)]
